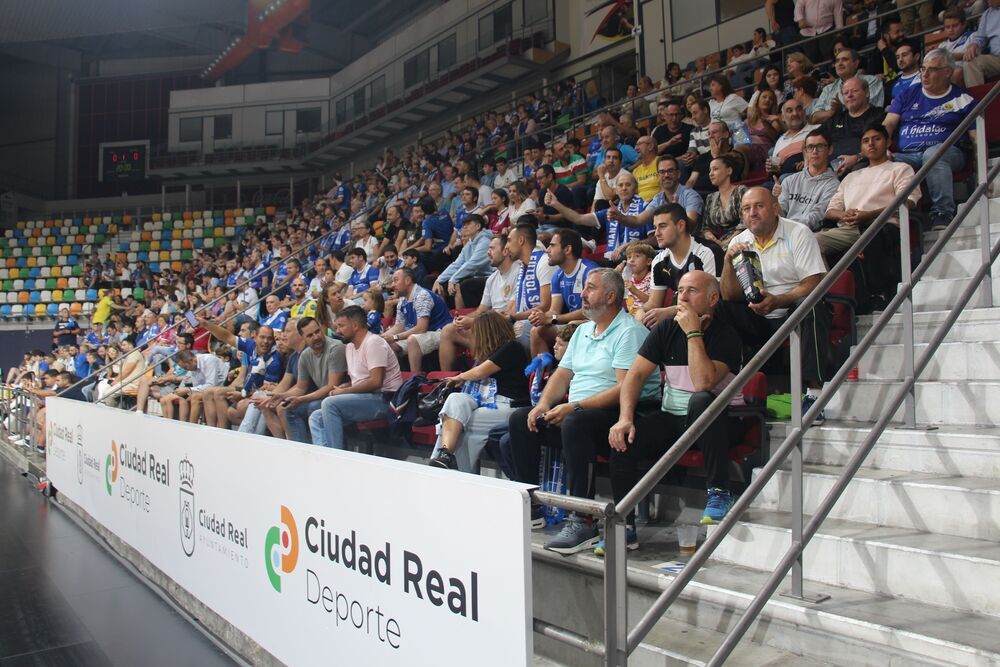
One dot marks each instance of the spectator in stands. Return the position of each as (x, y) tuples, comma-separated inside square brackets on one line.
[(363, 277), (564, 253), (130, 367), (792, 267), (599, 355), (818, 19), (805, 195), (670, 134), (498, 212), (764, 125), (833, 97), (498, 295), (671, 191), (619, 234), (275, 317), (866, 20), (66, 329), (724, 103), (636, 274), (374, 376), (679, 253), (490, 391), (804, 90), (300, 305), (464, 279), (550, 216), (958, 35), (720, 142), (420, 316), (925, 116), (908, 61), (701, 356), (609, 139), (322, 367), (699, 144), (644, 170), (204, 371), (469, 204), (865, 193), (533, 287), (781, 17), (786, 156), (505, 175), (911, 24), (773, 81), (723, 215), (156, 387), (330, 303), (845, 127), (571, 171), (520, 202), (607, 175), (882, 61), (261, 368), (981, 58)]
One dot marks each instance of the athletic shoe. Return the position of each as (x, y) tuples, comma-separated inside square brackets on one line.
[(577, 535), (940, 221), (537, 517), (444, 459), (719, 502), (807, 402), (631, 542)]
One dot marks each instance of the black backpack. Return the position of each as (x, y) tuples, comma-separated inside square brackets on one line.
[(403, 404)]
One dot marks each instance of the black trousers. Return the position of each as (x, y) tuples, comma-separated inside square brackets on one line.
[(582, 436), (755, 330), (656, 432)]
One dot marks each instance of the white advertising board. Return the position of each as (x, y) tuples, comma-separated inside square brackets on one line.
[(320, 556)]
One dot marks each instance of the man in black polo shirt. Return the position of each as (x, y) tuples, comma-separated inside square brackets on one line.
[(550, 218), (701, 356), (847, 125)]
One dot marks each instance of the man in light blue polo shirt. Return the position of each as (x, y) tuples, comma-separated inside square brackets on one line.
[(591, 371)]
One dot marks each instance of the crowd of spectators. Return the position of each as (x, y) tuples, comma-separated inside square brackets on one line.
[(486, 251)]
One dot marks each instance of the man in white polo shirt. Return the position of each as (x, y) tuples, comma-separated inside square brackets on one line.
[(792, 267)]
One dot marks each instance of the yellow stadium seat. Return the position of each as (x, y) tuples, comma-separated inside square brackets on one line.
[(164, 255), (156, 217)]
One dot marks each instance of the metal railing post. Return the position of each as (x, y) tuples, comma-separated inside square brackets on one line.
[(615, 593), (906, 279), (986, 289)]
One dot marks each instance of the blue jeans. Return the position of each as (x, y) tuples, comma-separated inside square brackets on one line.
[(298, 420), (327, 423), (253, 421), (157, 355), (938, 178)]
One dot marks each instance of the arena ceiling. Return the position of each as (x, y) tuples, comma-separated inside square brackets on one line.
[(72, 33)]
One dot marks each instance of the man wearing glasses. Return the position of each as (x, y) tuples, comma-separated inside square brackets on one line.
[(805, 195), (671, 192), (925, 116), (671, 135)]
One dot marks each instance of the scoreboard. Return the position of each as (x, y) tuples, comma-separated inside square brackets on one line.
[(123, 161)]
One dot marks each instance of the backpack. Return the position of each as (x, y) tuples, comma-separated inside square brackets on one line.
[(403, 404)]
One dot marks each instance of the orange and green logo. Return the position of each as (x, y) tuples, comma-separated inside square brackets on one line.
[(281, 548), (111, 468)]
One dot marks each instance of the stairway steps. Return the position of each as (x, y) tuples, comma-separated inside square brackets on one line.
[(967, 403), (952, 361)]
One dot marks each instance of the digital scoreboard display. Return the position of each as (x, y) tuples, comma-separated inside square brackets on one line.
[(124, 162)]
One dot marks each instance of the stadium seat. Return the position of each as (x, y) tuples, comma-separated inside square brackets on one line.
[(17, 310), (40, 310), (6, 311), (44, 296), (126, 292), (52, 310), (76, 309), (56, 296), (91, 295), (88, 308), (139, 293)]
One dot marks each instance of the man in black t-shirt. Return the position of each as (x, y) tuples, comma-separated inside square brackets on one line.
[(550, 217), (671, 135), (701, 356)]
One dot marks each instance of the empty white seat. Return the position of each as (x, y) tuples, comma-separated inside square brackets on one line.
[(61, 260), (88, 307), (175, 255), (46, 296), (126, 292), (46, 272), (36, 251), (132, 257), (89, 238), (187, 234), (73, 283), (19, 284), (17, 310)]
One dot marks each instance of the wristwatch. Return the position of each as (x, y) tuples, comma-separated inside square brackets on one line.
[(577, 407), (395, 338), (555, 320)]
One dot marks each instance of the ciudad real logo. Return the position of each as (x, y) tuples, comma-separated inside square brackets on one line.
[(187, 512), (111, 468), (281, 548)]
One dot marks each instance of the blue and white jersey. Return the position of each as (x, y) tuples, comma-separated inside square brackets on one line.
[(570, 287), (339, 240), (374, 321), (276, 321), (235, 277), (343, 190), (259, 369), (460, 218), (423, 303), (257, 276), (903, 82), (618, 234), (927, 121), (362, 280), (280, 273), (528, 288)]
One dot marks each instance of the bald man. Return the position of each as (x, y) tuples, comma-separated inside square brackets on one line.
[(701, 356), (792, 267)]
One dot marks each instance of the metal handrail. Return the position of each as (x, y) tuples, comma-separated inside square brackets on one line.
[(778, 456)]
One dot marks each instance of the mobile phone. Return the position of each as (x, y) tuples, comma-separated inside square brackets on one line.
[(192, 320)]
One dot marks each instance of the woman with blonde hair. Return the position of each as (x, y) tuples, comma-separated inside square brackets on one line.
[(765, 127), (489, 393)]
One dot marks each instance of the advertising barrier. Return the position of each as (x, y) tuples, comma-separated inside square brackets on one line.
[(320, 556)]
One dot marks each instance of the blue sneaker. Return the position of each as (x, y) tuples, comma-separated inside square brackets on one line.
[(631, 542), (717, 506), (577, 535), (807, 402)]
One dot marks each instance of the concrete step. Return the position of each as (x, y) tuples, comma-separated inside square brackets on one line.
[(973, 324), (968, 403), (943, 293), (952, 361), (952, 450), (956, 264), (954, 572), (960, 506), (854, 628), (966, 237)]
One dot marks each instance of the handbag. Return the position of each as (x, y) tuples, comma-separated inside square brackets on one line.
[(429, 407)]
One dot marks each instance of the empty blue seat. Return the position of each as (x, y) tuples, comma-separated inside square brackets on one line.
[(52, 310), (22, 262), (77, 222), (72, 260), (60, 240), (35, 297), (76, 250), (102, 229), (142, 256), (34, 272), (154, 268), (91, 295), (199, 243), (164, 245), (5, 311), (123, 247)]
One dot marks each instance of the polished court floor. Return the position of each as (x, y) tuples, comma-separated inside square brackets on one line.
[(64, 600)]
